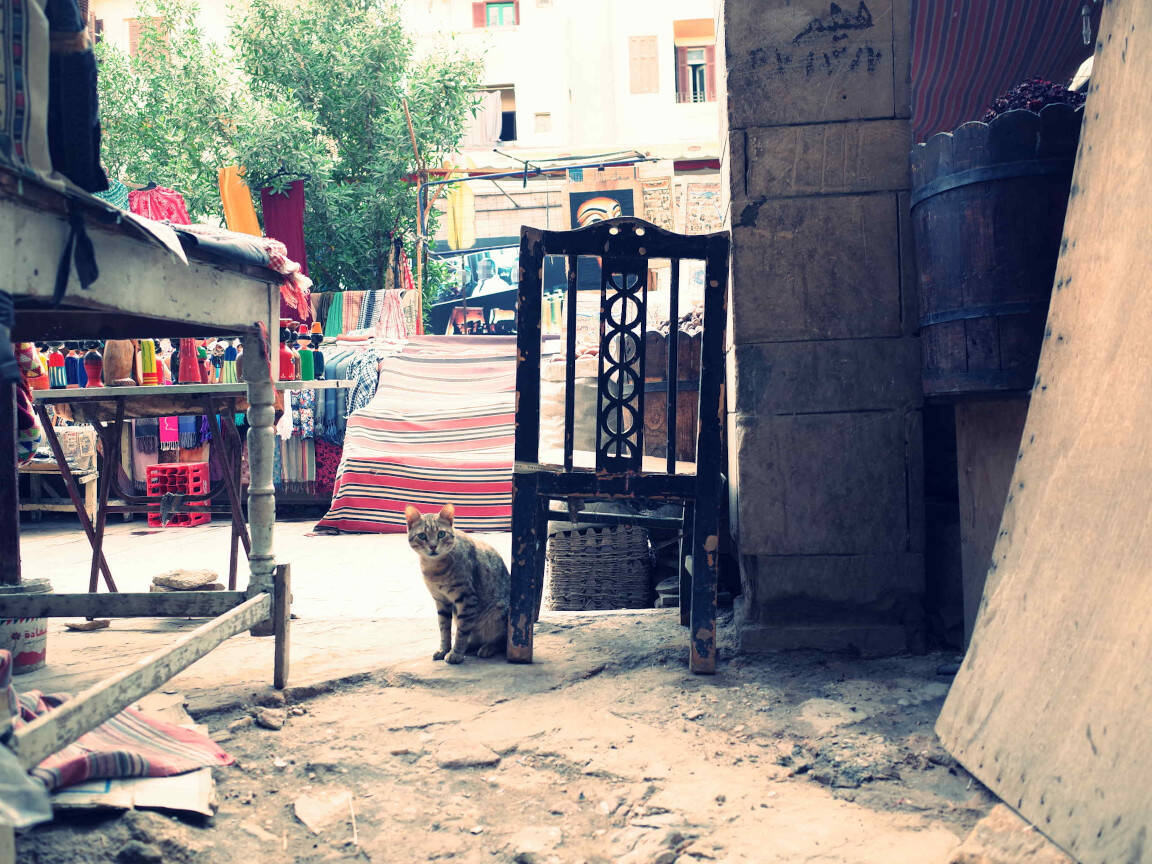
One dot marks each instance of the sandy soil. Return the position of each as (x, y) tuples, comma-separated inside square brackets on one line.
[(604, 750)]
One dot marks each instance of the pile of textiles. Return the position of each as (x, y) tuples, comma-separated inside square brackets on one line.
[(440, 429), (295, 287), (312, 430), (131, 744), (369, 313)]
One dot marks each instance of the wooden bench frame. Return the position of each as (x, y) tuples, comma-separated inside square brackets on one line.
[(202, 294)]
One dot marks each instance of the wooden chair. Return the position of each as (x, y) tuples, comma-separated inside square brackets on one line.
[(618, 468)]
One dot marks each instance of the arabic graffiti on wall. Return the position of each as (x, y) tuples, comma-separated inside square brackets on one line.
[(831, 49)]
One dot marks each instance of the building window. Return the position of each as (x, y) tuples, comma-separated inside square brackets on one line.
[(695, 42), (643, 64), (507, 108), (496, 13), (543, 124)]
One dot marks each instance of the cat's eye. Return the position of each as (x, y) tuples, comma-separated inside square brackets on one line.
[(422, 536), (440, 536)]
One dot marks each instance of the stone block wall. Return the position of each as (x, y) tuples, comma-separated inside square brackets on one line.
[(825, 425)]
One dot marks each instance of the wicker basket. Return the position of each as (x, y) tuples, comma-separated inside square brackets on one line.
[(599, 568)]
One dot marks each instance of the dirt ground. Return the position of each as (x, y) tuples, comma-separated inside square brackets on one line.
[(604, 750)]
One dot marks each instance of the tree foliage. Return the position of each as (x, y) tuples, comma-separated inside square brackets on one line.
[(307, 89)]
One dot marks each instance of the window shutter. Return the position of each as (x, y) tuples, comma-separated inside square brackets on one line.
[(479, 14), (643, 64), (516, 12), (683, 88), (710, 73)]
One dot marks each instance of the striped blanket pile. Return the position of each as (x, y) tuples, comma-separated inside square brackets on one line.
[(131, 744), (440, 429)]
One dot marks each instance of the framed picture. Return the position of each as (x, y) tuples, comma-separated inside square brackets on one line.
[(587, 208)]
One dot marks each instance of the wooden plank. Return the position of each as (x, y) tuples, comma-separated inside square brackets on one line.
[(109, 394), (281, 623), (9, 479), (86, 509), (528, 345), (987, 441), (56, 729), (163, 604), (136, 277), (1050, 708)]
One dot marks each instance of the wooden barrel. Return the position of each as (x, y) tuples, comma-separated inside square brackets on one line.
[(988, 206)]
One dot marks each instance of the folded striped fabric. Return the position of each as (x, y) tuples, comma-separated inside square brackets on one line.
[(131, 744), (440, 428)]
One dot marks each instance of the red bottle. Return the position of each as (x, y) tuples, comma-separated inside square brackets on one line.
[(287, 361), (189, 362)]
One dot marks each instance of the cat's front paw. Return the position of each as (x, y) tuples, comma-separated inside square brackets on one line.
[(439, 655), (454, 657)]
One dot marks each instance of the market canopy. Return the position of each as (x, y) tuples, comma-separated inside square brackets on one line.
[(965, 53)]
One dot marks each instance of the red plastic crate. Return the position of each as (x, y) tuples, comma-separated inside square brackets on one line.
[(182, 478)]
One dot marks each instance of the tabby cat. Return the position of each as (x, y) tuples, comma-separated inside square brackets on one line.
[(467, 578)]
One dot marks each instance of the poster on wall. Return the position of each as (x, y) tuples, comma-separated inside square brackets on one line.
[(656, 196), (588, 208), (702, 211)]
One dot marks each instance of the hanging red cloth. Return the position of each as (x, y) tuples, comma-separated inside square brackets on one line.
[(159, 203), (284, 220)]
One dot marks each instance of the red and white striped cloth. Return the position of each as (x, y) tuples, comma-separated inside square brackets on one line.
[(131, 744), (440, 429)]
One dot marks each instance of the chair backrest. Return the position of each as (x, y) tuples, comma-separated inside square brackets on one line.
[(624, 248)]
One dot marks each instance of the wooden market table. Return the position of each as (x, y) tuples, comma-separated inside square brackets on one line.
[(107, 408), (151, 284)]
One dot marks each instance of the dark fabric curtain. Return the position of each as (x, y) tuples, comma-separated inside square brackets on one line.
[(284, 220)]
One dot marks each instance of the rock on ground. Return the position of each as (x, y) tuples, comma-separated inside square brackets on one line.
[(186, 580), (1002, 837), (459, 753)]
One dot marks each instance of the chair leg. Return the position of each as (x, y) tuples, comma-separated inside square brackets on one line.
[(686, 547), (705, 575), (527, 561)]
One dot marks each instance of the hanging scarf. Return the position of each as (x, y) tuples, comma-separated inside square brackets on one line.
[(334, 319), (205, 430), (146, 434), (140, 464), (365, 374), (27, 424), (189, 432), (169, 433), (368, 310), (304, 413), (116, 194)]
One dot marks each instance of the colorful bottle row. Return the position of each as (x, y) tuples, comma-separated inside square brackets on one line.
[(71, 365), (301, 362)]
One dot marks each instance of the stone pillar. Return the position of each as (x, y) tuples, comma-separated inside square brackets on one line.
[(824, 359)]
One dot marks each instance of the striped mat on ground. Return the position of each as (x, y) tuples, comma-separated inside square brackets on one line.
[(131, 744), (440, 429)]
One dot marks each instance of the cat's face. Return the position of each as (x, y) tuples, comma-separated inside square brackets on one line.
[(431, 536)]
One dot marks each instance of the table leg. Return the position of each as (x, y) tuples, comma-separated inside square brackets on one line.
[(226, 453), (261, 492), (79, 503), (112, 446), (9, 478)]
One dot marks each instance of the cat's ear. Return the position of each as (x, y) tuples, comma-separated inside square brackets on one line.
[(412, 515), (447, 513)]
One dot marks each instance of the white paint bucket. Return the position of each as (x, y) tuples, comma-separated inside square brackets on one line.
[(26, 638)]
